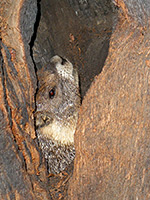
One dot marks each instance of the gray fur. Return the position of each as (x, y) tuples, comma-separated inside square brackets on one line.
[(57, 113), (58, 156)]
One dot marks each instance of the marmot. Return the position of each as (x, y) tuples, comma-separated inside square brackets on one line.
[(57, 105)]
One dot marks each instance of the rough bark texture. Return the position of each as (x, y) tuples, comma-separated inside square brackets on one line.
[(19, 156), (112, 140), (68, 28)]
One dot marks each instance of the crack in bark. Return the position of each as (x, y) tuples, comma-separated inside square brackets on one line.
[(3, 77)]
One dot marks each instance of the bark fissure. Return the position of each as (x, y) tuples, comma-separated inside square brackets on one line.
[(3, 70), (112, 137)]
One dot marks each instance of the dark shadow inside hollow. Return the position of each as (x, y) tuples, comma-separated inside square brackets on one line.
[(36, 25), (79, 31)]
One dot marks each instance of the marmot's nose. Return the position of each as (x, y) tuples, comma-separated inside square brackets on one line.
[(42, 120)]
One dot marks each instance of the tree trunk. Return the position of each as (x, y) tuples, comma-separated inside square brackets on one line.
[(112, 137), (19, 154)]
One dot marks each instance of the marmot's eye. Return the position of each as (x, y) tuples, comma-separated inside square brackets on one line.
[(52, 93)]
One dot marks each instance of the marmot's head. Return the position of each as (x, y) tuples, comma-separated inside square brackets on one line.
[(57, 101)]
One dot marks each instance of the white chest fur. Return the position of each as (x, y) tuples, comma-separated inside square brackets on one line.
[(60, 133)]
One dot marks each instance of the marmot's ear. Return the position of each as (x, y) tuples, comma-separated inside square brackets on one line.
[(64, 67)]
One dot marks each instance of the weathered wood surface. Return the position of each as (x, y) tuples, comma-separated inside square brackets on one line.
[(112, 139), (19, 156)]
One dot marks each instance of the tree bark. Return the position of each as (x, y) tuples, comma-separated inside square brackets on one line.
[(112, 137), (19, 155)]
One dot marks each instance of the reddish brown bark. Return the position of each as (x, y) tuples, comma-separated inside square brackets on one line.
[(20, 158), (112, 139)]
